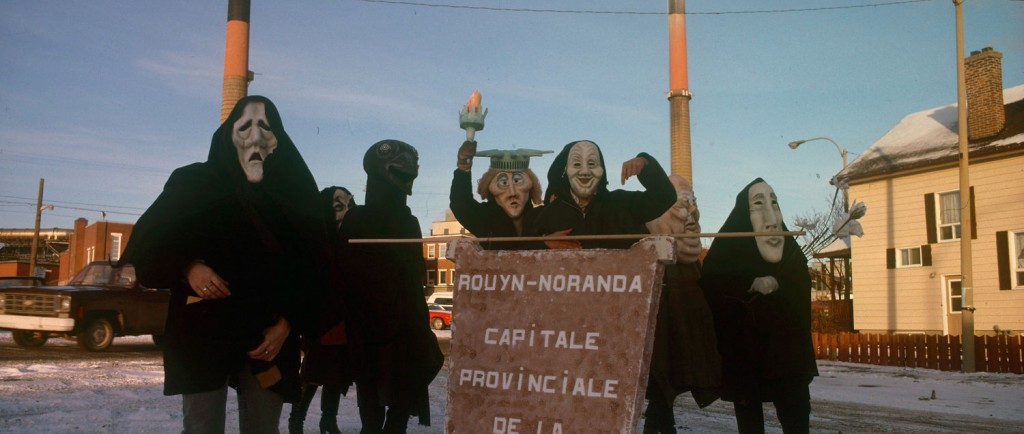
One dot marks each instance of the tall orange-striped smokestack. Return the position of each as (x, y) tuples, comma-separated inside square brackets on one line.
[(679, 93), (236, 57)]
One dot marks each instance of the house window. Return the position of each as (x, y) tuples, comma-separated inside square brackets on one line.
[(442, 250), (446, 231), (909, 257), (115, 246), (442, 277), (949, 216), (954, 288), (430, 277), (430, 251), (1017, 255), (90, 254)]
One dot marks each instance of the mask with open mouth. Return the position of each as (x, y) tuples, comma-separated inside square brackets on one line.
[(395, 162), (254, 140), (584, 169)]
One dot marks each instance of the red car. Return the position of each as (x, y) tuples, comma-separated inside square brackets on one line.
[(440, 316)]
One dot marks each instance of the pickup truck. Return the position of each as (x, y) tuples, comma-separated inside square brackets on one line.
[(101, 302)]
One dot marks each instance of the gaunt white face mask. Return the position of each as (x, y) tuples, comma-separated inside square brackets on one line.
[(253, 140)]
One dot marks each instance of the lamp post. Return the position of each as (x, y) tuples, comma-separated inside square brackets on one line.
[(842, 152)]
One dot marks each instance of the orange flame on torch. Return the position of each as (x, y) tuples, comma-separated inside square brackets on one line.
[(473, 103)]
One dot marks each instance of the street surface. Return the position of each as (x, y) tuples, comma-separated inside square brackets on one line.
[(62, 388)]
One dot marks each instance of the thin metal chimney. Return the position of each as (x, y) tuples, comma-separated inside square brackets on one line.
[(236, 57), (679, 94)]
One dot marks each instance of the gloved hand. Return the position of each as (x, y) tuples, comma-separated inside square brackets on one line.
[(465, 156), (764, 285)]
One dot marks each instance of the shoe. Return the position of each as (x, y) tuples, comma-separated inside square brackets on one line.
[(329, 426)]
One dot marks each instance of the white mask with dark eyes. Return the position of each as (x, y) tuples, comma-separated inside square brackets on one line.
[(254, 140)]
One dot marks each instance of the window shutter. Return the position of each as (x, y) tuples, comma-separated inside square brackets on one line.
[(1003, 259), (926, 255), (890, 258), (929, 217), (974, 217)]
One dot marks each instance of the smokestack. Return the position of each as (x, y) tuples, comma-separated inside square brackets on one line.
[(236, 57), (679, 94), (986, 114)]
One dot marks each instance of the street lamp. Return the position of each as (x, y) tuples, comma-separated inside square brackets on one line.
[(842, 152)]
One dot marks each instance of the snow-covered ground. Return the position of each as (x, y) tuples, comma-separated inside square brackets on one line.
[(125, 396)]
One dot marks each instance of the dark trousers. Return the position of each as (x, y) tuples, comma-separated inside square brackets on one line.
[(792, 406), (376, 418)]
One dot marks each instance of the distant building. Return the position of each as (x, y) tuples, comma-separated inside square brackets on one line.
[(440, 270), (908, 261), (100, 240), (16, 251)]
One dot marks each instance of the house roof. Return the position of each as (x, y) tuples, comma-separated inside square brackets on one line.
[(930, 137), (840, 248)]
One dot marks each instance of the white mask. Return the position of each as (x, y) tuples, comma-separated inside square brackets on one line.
[(765, 216), (340, 202), (583, 167), (682, 218), (253, 140)]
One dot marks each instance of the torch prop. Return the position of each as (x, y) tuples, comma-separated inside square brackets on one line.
[(470, 117)]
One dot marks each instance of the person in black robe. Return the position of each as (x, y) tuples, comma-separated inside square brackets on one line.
[(760, 293), (326, 359), (578, 201), (239, 239), (685, 356), (395, 353), (510, 191)]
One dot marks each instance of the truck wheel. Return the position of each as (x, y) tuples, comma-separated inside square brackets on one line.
[(98, 335), (437, 323), (29, 339)]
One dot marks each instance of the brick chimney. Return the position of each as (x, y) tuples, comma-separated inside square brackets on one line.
[(986, 115)]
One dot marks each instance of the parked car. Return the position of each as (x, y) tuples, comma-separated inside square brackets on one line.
[(9, 281), (442, 298), (440, 316), (101, 302)]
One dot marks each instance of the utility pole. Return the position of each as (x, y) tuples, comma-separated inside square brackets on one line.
[(35, 236), (966, 266)]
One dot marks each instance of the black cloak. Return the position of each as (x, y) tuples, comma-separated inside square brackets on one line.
[(395, 353), (764, 340), (266, 240), (608, 212)]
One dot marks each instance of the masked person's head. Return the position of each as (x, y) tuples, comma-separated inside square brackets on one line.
[(254, 139), (337, 202), (585, 169), (682, 218), (765, 216)]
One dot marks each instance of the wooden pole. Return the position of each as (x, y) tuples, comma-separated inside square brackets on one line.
[(35, 235), (966, 267), (576, 237)]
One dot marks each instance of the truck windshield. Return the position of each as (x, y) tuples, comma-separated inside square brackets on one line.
[(105, 274)]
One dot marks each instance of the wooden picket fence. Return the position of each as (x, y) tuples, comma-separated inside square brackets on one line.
[(943, 352)]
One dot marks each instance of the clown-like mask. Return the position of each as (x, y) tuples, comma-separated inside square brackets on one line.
[(511, 190), (683, 217), (765, 216), (253, 140), (584, 169), (340, 202)]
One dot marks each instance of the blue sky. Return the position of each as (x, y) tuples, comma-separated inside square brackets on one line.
[(104, 99)]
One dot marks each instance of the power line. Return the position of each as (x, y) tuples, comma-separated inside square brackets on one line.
[(569, 11)]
